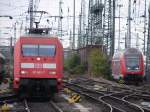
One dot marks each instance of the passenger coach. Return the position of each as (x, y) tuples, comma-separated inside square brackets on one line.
[(128, 65)]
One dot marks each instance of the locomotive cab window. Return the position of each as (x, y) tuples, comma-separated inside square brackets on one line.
[(38, 50), (30, 50), (132, 63), (46, 50)]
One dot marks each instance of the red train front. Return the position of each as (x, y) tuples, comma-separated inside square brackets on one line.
[(128, 65), (38, 65)]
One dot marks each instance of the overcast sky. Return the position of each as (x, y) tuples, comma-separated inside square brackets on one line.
[(18, 10)]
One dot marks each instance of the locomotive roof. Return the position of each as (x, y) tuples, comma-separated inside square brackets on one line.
[(132, 51), (127, 51), (39, 31), (37, 35), (37, 39)]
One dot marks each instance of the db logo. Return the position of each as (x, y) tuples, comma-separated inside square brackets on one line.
[(38, 65)]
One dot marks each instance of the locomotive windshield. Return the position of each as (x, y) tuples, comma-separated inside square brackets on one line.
[(132, 63), (30, 50), (38, 50), (46, 50)]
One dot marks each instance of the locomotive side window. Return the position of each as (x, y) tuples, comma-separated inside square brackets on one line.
[(46, 50), (30, 50)]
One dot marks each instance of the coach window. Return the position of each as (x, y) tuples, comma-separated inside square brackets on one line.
[(46, 50), (30, 50)]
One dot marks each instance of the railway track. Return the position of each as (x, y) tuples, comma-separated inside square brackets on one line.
[(140, 100), (10, 102), (113, 99), (103, 85), (121, 104), (116, 104), (103, 107), (107, 86), (120, 95), (8, 98), (41, 106)]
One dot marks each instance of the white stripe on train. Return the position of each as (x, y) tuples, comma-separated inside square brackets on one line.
[(38, 65)]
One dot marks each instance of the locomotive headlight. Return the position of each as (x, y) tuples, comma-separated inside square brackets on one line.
[(128, 68), (17, 80), (137, 68), (59, 79), (38, 59), (24, 72), (52, 73)]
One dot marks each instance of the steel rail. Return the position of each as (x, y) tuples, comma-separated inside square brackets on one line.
[(126, 98), (92, 98), (56, 107), (121, 86), (26, 106), (52, 106), (8, 98), (102, 96), (86, 93), (119, 103)]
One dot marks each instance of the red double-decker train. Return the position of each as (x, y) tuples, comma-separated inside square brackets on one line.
[(128, 65), (38, 65)]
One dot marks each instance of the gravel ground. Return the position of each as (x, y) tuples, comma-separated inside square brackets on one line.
[(63, 104), (84, 105), (93, 106), (40, 107)]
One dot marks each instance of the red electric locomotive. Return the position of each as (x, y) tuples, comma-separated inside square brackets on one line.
[(128, 65), (38, 65)]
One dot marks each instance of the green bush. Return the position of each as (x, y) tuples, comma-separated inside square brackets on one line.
[(73, 65), (79, 69), (99, 64)]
